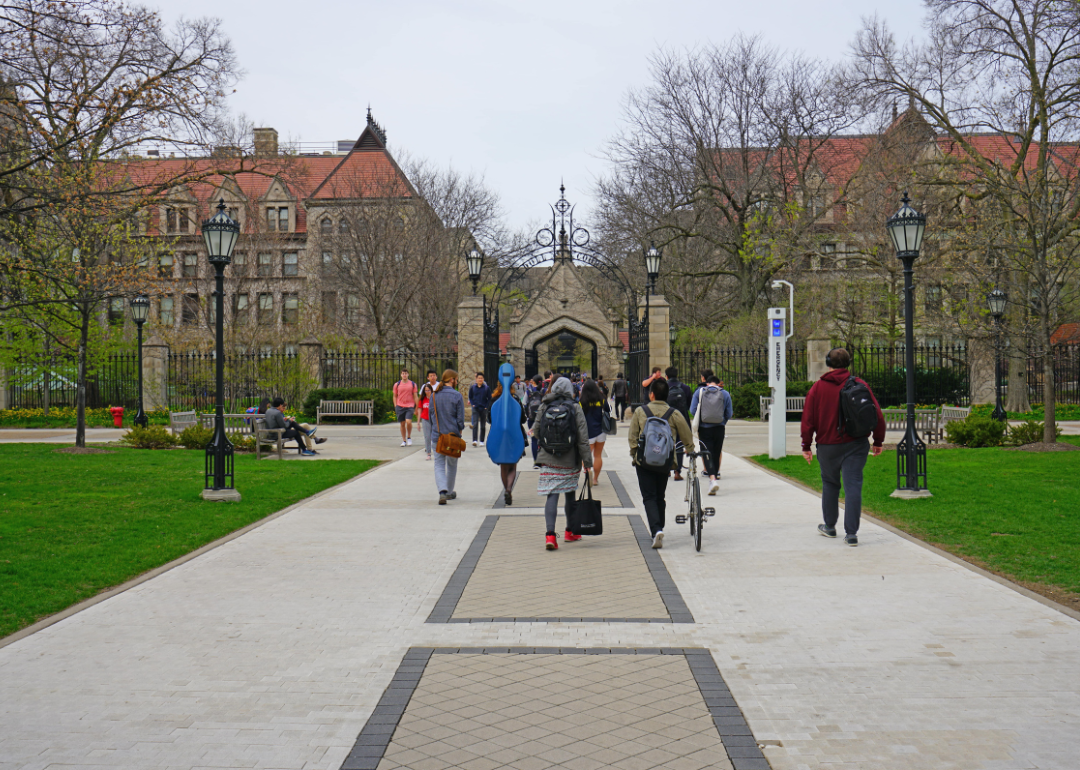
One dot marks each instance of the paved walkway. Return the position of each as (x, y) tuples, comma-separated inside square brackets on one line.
[(310, 642)]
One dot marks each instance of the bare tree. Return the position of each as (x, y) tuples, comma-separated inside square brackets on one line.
[(1001, 80)]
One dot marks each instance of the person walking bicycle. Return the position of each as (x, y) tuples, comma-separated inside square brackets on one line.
[(843, 412), (563, 436)]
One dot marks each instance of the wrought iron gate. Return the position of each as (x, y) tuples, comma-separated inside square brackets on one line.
[(492, 357), (637, 362)]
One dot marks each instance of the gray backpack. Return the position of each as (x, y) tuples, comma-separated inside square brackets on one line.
[(711, 406), (656, 445)]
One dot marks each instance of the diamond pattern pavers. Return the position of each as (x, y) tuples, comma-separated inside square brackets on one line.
[(637, 710), (593, 578)]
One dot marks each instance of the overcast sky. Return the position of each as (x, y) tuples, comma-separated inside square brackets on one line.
[(524, 93)]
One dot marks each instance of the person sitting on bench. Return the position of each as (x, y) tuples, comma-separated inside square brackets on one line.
[(275, 419)]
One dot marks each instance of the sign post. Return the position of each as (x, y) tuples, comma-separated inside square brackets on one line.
[(778, 382)]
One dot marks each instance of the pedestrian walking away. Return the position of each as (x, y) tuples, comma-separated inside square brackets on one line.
[(679, 398), (447, 416), (506, 438), (425, 409), (647, 434), (480, 401), (620, 391), (405, 402), (564, 449), (843, 413), (594, 405), (711, 408), (532, 406)]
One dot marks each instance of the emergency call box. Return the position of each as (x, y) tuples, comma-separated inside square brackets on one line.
[(778, 327)]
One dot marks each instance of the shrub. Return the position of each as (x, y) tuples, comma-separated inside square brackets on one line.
[(153, 437), (745, 399), (975, 431), (1027, 432), (242, 443), (384, 401), (195, 436)]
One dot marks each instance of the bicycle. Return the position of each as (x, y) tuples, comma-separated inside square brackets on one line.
[(695, 513)]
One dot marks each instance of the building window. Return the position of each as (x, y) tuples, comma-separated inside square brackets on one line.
[(327, 261), (277, 218), (352, 309), (240, 309), (265, 351), (165, 311), (329, 307), (116, 310), (266, 265), (933, 299), (290, 262), (343, 227), (326, 226), (176, 220), (266, 309), (290, 312), (190, 268), (239, 263), (165, 265), (190, 310)]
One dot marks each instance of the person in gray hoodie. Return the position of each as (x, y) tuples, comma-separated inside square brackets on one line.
[(447, 413), (559, 473)]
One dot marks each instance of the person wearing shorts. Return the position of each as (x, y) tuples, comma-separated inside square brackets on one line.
[(594, 405), (405, 400)]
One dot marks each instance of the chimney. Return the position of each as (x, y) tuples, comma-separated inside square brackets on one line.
[(266, 143)]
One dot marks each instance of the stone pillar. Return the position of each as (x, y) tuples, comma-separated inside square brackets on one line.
[(659, 332), (155, 374), (816, 350), (311, 354), (470, 343), (981, 371)]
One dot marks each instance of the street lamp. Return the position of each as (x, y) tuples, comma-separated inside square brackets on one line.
[(220, 233), (475, 262), (906, 228), (652, 267), (673, 333), (997, 300), (140, 311)]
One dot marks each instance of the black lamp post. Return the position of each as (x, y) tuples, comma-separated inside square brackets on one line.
[(652, 267), (220, 233), (997, 299), (474, 260), (140, 311), (906, 229)]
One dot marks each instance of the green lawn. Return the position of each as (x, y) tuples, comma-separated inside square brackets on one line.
[(1014, 513), (74, 525)]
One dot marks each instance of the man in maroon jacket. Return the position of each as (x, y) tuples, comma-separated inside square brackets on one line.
[(838, 453)]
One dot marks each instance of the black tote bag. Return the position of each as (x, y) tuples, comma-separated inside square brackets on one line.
[(584, 515)]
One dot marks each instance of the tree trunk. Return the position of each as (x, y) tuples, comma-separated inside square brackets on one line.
[(46, 380), (1017, 360), (1050, 425), (80, 389)]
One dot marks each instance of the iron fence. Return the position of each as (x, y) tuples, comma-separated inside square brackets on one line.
[(248, 379), (113, 381), (942, 375), (1066, 374), (735, 366), (382, 369)]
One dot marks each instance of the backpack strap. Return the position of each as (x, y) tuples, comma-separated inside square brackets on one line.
[(668, 413)]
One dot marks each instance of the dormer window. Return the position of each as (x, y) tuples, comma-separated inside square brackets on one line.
[(177, 220), (277, 218), (326, 227)]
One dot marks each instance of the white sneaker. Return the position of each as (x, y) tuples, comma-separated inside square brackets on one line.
[(714, 487), (474, 443), (658, 539), (403, 443), (481, 443), (408, 442)]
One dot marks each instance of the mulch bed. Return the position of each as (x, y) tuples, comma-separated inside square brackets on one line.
[(84, 450), (1042, 446)]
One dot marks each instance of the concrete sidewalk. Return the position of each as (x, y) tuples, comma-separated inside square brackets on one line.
[(273, 650)]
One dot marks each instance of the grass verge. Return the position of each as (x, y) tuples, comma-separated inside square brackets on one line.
[(74, 525), (1012, 513)]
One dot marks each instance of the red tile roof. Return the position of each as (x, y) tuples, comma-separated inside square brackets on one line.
[(1066, 333)]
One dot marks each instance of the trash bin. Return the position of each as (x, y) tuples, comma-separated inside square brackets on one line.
[(117, 413)]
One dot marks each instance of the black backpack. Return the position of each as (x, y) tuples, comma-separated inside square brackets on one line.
[(858, 412), (532, 405), (558, 427), (676, 397)]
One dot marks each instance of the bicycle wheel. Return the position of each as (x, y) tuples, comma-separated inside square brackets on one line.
[(695, 505), (700, 516)]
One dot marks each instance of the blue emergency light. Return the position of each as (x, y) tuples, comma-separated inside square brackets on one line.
[(778, 327)]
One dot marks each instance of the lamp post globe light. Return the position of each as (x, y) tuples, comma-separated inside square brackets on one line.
[(474, 261), (997, 300), (140, 311), (652, 267), (220, 234), (906, 228)]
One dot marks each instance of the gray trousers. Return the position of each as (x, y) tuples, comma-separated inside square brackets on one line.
[(445, 472), (426, 426), (847, 461)]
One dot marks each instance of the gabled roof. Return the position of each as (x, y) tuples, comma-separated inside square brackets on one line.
[(368, 171)]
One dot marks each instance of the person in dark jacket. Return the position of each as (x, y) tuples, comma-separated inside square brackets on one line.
[(594, 405), (480, 401), (559, 473), (447, 412), (838, 454)]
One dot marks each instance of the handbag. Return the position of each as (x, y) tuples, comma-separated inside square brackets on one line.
[(449, 444), (608, 423), (584, 518)]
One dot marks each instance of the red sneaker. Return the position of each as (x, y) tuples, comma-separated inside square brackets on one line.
[(570, 537), (552, 544)]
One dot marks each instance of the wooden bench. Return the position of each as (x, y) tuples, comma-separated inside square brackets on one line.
[(178, 421), (346, 409), (794, 404), (951, 414), (265, 438), (927, 422), (242, 423)]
